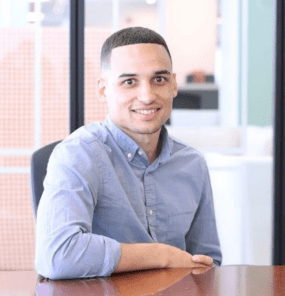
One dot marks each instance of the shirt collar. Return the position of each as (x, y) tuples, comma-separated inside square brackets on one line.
[(126, 143), (130, 147), (166, 145)]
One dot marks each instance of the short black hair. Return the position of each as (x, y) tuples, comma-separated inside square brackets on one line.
[(128, 36)]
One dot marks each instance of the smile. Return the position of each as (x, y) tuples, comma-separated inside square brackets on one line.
[(146, 111)]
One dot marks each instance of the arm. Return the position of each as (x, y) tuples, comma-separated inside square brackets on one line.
[(156, 255), (202, 237), (65, 244)]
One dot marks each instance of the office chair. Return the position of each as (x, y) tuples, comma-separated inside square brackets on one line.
[(39, 161)]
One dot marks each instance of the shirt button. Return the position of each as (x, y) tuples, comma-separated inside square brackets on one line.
[(150, 212), (129, 155), (140, 152)]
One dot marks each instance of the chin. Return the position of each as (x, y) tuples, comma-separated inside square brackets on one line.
[(148, 130)]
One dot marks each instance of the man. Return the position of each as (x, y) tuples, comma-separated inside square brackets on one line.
[(122, 195)]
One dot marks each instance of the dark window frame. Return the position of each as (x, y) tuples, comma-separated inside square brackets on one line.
[(76, 64), (279, 140)]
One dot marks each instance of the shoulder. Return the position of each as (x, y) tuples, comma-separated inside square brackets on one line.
[(183, 150), (187, 159), (75, 161), (81, 146)]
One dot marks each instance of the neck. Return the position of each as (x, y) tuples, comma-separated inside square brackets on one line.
[(152, 148), (150, 144)]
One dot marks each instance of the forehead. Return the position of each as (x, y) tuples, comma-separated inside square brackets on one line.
[(136, 57)]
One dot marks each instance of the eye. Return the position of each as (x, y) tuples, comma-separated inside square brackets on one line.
[(160, 79), (129, 82)]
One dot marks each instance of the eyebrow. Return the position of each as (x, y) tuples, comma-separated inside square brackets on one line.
[(132, 74), (162, 72)]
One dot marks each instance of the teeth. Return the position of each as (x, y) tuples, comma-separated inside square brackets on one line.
[(145, 111)]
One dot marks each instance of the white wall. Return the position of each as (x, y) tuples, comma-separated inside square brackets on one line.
[(191, 34), (143, 18), (13, 13), (190, 31), (243, 190)]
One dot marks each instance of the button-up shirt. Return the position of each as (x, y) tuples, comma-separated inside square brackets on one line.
[(100, 191)]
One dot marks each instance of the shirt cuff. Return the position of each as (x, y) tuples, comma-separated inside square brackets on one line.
[(112, 256), (216, 264)]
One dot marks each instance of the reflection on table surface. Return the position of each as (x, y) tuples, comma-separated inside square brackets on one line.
[(148, 282), (225, 280)]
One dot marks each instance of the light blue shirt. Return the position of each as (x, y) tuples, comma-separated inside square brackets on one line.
[(100, 191)]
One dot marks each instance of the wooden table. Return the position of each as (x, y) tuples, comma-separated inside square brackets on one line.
[(225, 280)]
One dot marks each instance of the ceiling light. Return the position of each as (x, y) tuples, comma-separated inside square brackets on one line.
[(150, 1), (34, 17), (39, 0)]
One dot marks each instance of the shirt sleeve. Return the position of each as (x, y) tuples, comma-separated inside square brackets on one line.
[(202, 237), (65, 245)]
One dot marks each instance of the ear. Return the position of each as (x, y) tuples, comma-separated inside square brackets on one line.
[(175, 87), (101, 89)]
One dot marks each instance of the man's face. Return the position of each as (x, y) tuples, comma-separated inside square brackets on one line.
[(139, 88)]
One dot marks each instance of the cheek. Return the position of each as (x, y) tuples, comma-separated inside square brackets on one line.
[(117, 107), (169, 102)]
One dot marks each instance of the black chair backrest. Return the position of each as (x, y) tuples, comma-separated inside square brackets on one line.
[(39, 161)]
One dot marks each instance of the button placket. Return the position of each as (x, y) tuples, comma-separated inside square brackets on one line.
[(150, 204)]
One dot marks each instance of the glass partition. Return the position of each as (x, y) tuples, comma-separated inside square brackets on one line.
[(34, 104), (98, 27), (223, 55)]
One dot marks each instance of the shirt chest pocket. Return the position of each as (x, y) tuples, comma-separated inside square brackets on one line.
[(178, 226)]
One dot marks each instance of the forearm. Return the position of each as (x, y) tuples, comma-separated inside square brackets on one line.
[(141, 256), (156, 255)]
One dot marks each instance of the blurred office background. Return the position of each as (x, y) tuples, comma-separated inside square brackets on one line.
[(223, 53)]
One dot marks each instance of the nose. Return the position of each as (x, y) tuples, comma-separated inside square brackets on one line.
[(146, 93)]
